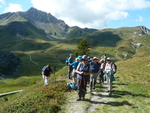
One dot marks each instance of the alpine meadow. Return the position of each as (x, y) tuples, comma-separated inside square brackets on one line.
[(35, 38)]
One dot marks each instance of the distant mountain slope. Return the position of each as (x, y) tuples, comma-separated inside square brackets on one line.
[(53, 27), (16, 33), (25, 31)]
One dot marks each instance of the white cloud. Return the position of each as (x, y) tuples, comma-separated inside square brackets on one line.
[(2, 1), (140, 19), (13, 8), (89, 13)]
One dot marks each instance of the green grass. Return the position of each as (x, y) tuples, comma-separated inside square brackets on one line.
[(131, 92), (36, 98)]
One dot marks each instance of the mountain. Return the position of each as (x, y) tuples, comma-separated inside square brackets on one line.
[(38, 32), (51, 26)]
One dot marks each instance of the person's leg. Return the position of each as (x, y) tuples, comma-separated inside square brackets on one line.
[(108, 81), (73, 76), (99, 77), (110, 86), (102, 77), (94, 79), (46, 80), (69, 71), (91, 81), (79, 89)]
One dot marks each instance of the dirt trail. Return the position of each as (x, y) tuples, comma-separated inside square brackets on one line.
[(92, 100)]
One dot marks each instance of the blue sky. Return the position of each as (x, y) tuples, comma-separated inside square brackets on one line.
[(97, 14)]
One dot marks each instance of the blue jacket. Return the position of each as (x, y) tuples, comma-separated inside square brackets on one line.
[(70, 60), (95, 67), (74, 64)]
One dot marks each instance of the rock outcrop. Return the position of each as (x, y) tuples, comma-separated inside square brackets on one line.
[(9, 65)]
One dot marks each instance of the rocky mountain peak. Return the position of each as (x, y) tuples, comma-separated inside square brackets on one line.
[(145, 30), (40, 16)]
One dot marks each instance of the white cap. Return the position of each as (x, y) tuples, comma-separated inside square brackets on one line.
[(108, 58)]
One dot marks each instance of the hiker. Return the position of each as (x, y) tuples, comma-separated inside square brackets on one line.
[(82, 71), (101, 73), (109, 70), (75, 64), (70, 68), (88, 76), (93, 76), (46, 71)]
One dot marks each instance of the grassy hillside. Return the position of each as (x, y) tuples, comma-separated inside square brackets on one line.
[(35, 49), (36, 98), (132, 87), (130, 92)]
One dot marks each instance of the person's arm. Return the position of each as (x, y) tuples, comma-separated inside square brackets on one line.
[(77, 70), (87, 73), (72, 64)]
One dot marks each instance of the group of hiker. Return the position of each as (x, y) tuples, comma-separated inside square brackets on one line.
[(85, 70)]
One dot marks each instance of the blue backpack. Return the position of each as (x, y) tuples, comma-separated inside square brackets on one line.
[(66, 62), (72, 85), (43, 68)]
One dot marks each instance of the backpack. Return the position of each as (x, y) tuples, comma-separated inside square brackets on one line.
[(72, 85), (66, 62), (43, 68), (115, 67)]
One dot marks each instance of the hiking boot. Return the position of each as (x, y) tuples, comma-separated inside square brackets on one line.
[(90, 90), (107, 91), (83, 98), (78, 99), (110, 92)]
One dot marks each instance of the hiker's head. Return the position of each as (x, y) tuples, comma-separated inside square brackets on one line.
[(71, 55), (84, 58), (79, 58), (108, 59), (48, 66), (95, 59)]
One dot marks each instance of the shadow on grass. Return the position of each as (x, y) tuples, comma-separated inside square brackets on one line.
[(112, 103), (119, 84), (117, 93)]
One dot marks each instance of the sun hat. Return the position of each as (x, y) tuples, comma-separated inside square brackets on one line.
[(71, 54), (95, 58), (108, 58), (79, 57), (84, 57)]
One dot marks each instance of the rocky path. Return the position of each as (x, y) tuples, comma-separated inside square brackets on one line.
[(93, 100), (98, 99)]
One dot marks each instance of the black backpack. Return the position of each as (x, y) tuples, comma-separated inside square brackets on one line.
[(115, 67)]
